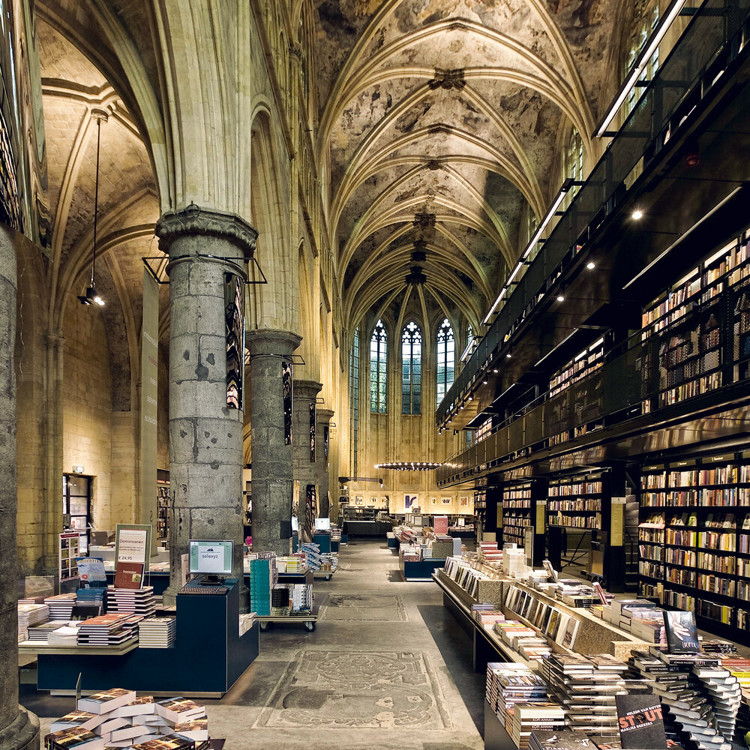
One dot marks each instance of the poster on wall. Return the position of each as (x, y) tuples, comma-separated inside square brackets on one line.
[(234, 317), (410, 501), (286, 385), (463, 501), (433, 501), (313, 418), (447, 500)]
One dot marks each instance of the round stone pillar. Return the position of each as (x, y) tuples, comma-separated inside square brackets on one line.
[(271, 453), (19, 729), (324, 422), (207, 249), (305, 467)]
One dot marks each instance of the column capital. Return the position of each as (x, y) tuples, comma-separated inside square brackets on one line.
[(325, 415), (307, 389), (271, 342), (208, 222)]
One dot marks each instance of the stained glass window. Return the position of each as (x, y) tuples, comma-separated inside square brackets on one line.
[(411, 369), (446, 358), (378, 368)]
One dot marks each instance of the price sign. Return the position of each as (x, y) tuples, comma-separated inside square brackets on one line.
[(133, 543)]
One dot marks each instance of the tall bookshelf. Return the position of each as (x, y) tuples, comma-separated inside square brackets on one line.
[(682, 329), (69, 550), (480, 511), (517, 511), (694, 538), (575, 502)]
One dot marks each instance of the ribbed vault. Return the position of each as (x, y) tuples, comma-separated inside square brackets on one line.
[(440, 131)]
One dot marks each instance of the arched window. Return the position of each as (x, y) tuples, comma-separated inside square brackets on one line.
[(411, 368), (446, 357), (573, 157), (354, 390), (637, 42), (378, 368)]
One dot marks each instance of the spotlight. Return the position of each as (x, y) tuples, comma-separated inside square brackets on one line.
[(496, 371), (637, 214), (560, 298), (485, 382), (591, 265), (508, 355), (91, 297)]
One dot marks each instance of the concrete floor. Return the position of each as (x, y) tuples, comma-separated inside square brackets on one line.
[(387, 667)]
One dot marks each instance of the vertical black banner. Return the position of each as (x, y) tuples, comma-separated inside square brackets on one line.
[(326, 438), (313, 418), (286, 381), (311, 510), (234, 318)]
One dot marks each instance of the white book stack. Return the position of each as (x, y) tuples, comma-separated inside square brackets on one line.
[(40, 633), (136, 601), (65, 636), (157, 632)]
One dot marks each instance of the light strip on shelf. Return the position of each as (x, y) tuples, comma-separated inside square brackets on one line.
[(532, 243), (640, 64)]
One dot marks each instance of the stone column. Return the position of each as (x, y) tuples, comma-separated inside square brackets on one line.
[(271, 457), (18, 728), (324, 420), (305, 393), (205, 434)]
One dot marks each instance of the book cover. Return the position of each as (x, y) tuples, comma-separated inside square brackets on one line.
[(75, 738), (682, 633), (641, 722), (129, 575), (106, 700)]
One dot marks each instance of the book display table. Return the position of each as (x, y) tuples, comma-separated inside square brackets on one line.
[(305, 576), (208, 657), (323, 541), (392, 541), (422, 570)]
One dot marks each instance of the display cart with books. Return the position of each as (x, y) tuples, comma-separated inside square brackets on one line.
[(309, 619)]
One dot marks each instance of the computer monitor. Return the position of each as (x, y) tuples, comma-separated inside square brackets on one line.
[(322, 524), (212, 559)]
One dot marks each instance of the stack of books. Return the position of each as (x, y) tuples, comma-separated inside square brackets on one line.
[(531, 717), (157, 632), (91, 596), (106, 630), (30, 614), (116, 718), (60, 606), (586, 687), (523, 639), (565, 740), (486, 615), (65, 636), (136, 601), (688, 709), (40, 633), (508, 684)]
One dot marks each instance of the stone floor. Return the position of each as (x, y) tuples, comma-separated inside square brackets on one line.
[(387, 667)]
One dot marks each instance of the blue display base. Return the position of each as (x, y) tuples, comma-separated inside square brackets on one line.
[(422, 570), (324, 540), (208, 656), (392, 542)]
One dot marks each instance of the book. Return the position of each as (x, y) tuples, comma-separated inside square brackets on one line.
[(74, 738), (129, 575), (106, 700), (682, 633), (179, 709), (82, 719), (170, 742), (641, 723), (195, 730), (144, 705)]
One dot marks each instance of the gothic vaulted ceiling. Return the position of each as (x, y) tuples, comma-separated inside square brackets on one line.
[(440, 123)]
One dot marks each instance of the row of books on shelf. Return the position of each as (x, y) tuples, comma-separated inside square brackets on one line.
[(575, 522), (117, 718), (576, 371), (575, 488), (717, 475), (707, 498), (690, 390), (559, 626), (590, 504)]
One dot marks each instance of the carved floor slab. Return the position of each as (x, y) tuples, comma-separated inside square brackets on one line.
[(357, 689), (365, 606)]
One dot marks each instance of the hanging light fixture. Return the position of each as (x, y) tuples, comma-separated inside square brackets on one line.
[(92, 297)]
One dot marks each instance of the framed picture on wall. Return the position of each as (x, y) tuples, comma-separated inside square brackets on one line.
[(447, 500), (434, 501), (463, 501), (359, 500), (373, 501), (409, 501)]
